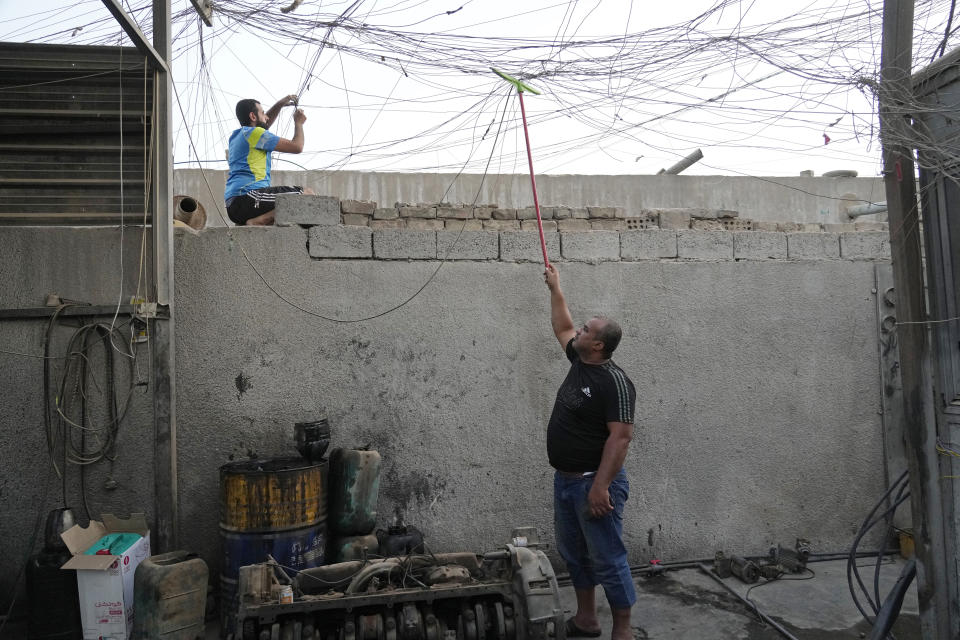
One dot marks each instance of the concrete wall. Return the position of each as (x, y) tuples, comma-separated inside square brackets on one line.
[(757, 380), (775, 199)]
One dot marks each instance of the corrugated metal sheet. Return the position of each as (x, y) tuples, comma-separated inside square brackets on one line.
[(74, 133)]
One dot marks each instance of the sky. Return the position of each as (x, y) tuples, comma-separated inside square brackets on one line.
[(761, 88)]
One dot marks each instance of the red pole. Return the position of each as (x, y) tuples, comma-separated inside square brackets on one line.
[(533, 182)]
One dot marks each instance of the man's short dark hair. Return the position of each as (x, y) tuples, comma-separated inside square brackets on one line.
[(609, 334), (244, 108)]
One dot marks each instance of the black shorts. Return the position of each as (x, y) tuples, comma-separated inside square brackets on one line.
[(254, 203)]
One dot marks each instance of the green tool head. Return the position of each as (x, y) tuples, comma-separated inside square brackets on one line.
[(520, 85)]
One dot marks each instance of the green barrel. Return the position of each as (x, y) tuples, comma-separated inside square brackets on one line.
[(354, 490)]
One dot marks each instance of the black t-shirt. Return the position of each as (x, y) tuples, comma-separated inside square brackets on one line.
[(591, 396)]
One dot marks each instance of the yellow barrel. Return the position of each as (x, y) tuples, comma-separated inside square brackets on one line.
[(272, 495)]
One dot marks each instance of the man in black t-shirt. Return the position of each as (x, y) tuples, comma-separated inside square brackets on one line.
[(587, 439)]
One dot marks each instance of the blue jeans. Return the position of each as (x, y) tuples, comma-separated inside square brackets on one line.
[(593, 547)]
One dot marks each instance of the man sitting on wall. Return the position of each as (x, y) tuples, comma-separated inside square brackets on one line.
[(250, 198)]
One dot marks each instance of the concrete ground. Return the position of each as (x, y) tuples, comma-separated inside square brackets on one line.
[(687, 604)]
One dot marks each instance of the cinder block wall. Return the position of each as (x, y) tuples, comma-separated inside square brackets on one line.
[(754, 355)]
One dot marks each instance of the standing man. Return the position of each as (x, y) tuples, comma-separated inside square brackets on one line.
[(249, 197), (590, 430)]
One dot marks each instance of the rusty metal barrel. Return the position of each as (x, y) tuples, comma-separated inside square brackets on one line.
[(274, 507)]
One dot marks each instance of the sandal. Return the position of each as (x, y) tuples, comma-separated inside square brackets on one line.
[(573, 631)]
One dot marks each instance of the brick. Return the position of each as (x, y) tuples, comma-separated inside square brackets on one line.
[(608, 225), (356, 219), (810, 227), (590, 246), (870, 226), (759, 245), (418, 212), (712, 214), (813, 246), (404, 244), (388, 224), (648, 244), (421, 224), (842, 227), (340, 242), (765, 225), (865, 245), (465, 225), (704, 245), (386, 213), (736, 224), (706, 225), (531, 225), (674, 219), (530, 213), (501, 225), (606, 212), (504, 214), (457, 213), (562, 213), (789, 227), (470, 245), (579, 213), (520, 246), (483, 213), (573, 224), (295, 208), (358, 206)]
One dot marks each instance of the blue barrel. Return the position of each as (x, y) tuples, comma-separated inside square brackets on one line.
[(272, 508)]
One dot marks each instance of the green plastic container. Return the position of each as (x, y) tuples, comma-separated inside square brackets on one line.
[(170, 597), (354, 491)]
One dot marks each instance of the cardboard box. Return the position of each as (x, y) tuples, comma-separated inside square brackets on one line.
[(105, 582)]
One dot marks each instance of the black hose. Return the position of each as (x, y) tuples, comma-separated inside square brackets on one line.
[(891, 606)]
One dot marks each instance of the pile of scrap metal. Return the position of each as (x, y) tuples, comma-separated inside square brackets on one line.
[(509, 594), (780, 561)]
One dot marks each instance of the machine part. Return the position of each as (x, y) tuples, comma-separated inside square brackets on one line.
[(721, 565), (527, 537), (511, 594), (744, 569), (312, 438), (792, 560), (771, 571), (400, 540)]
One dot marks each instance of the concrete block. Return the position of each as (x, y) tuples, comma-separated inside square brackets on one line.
[(579, 213), (810, 227), (504, 214), (712, 214), (522, 246), (608, 225), (531, 225), (483, 213), (606, 212), (295, 208), (590, 246), (386, 213), (339, 242), (865, 245), (418, 212), (470, 245), (501, 225), (530, 213), (465, 225), (870, 226), (573, 224), (562, 213), (706, 225), (356, 219), (365, 207), (674, 219), (405, 244), (842, 227), (648, 244), (704, 245), (456, 213), (388, 224), (421, 224), (813, 246), (759, 245)]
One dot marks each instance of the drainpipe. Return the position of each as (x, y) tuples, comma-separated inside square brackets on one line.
[(867, 209)]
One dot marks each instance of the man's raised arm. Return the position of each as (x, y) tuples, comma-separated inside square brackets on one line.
[(294, 145), (274, 111), (560, 317)]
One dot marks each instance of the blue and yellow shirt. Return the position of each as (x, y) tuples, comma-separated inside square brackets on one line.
[(249, 160)]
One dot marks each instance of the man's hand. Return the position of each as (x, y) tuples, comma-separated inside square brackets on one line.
[(552, 277), (299, 117), (290, 100), (599, 500)]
